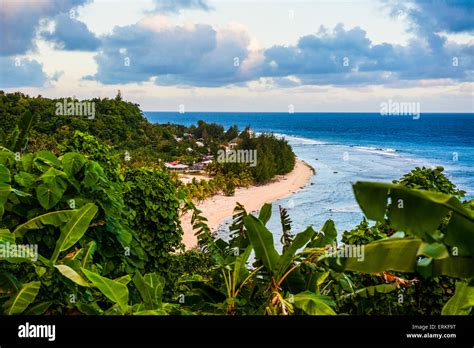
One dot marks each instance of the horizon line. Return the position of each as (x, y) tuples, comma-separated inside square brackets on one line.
[(305, 112)]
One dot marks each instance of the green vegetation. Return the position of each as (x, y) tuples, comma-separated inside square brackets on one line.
[(425, 297), (154, 214), (133, 141), (109, 240)]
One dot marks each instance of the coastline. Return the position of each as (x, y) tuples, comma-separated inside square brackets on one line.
[(217, 208)]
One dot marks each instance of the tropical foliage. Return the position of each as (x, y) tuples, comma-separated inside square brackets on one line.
[(86, 230)]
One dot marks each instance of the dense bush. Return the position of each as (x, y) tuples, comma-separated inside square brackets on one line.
[(192, 264), (363, 233), (430, 179), (154, 214)]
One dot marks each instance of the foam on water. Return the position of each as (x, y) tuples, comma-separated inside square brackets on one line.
[(300, 140), (345, 148)]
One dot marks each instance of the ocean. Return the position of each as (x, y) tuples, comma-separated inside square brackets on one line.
[(348, 147)]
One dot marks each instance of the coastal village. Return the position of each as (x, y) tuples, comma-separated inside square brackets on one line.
[(199, 167)]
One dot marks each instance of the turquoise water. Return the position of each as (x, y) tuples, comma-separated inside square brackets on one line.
[(347, 147)]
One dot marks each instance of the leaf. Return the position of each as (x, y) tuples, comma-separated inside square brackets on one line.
[(6, 156), (456, 267), (240, 266), (8, 282), (89, 308), (5, 191), (27, 162), (6, 237), (114, 291), (300, 241), (265, 213), (39, 308), (285, 220), (326, 237), (430, 207), (73, 231), (20, 193), (78, 225), (236, 229), (93, 173), (125, 279), (462, 301), (370, 291), (428, 215), (146, 291), (55, 218), (24, 179), (49, 195), (386, 254), (151, 312), (400, 255), (3, 137), (71, 274), (89, 253), (22, 299), (433, 250), (424, 267), (460, 235), (314, 304), (5, 177), (25, 125), (48, 158), (262, 241), (114, 310), (73, 163), (372, 198), (157, 283), (52, 176)]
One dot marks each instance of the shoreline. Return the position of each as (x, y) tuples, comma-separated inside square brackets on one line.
[(219, 207)]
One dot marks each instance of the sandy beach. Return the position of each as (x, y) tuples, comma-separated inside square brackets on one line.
[(216, 209)]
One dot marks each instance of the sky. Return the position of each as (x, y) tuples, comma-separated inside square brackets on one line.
[(244, 56)]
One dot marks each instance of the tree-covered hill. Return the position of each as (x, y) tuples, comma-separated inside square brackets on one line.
[(116, 122), (122, 125)]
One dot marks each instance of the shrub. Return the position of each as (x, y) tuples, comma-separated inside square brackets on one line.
[(431, 180), (363, 234), (154, 214)]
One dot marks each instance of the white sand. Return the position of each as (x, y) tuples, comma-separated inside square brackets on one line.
[(217, 208)]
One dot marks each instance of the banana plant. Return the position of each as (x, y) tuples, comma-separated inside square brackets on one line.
[(436, 237), (19, 301), (236, 276), (149, 286), (286, 285), (35, 189), (17, 140), (73, 225)]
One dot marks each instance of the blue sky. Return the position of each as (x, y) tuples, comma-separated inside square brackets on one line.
[(243, 55)]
